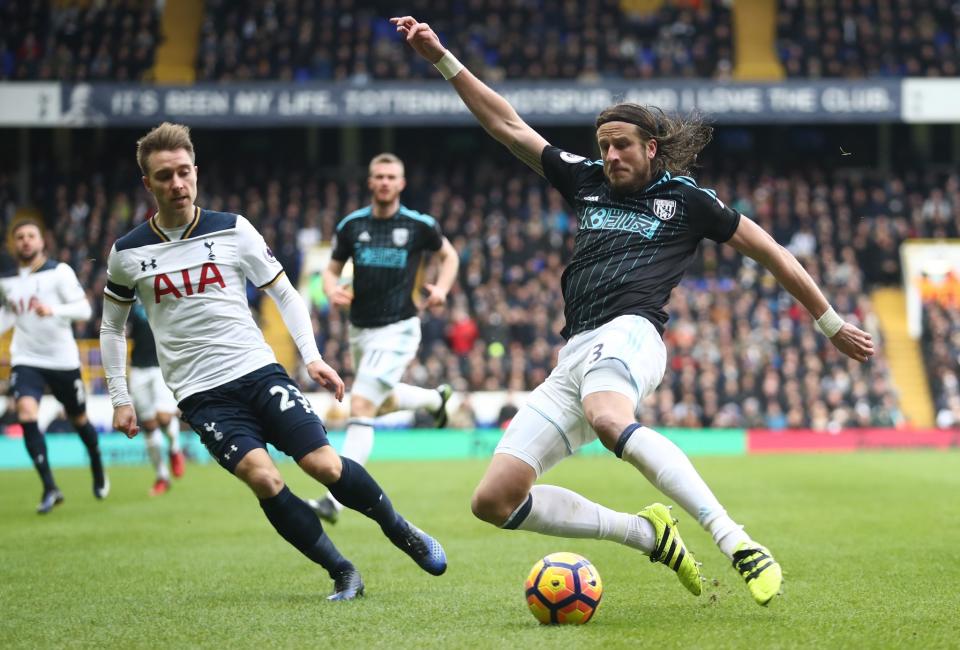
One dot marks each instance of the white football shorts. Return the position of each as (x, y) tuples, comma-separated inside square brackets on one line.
[(381, 356), (551, 425), (150, 393)]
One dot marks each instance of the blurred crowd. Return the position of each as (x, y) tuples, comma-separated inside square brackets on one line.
[(109, 40), (941, 352), (350, 40), (741, 352), (585, 40), (869, 38)]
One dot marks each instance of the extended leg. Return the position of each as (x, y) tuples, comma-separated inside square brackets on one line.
[(295, 522), (353, 486)]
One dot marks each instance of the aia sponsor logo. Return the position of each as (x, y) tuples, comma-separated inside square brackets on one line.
[(181, 283)]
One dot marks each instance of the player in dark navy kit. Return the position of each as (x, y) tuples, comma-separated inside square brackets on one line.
[(387, 242), (640, 221), (189, 267), (154, 403), (40, 299)]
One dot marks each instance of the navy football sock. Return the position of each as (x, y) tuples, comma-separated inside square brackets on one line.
[(37, 448), (298, 524), (90, 440), (357, 490)]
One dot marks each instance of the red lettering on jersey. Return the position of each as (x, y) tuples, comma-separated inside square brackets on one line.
[(210, 274), (187, 287), (163, 278)]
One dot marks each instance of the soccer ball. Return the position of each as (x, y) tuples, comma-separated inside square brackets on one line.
[(563, 588)]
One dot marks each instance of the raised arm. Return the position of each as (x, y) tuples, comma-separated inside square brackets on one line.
[(754, 242), (493, 112)]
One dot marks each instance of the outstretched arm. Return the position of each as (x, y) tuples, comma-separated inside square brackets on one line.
[(753, 241), (493, 112)]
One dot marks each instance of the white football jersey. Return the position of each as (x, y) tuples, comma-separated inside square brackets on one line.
[(47, 341), (194, 292)]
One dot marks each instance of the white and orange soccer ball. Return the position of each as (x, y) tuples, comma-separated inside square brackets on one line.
[(562, 589)]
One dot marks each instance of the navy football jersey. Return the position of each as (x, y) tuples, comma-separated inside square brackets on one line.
[(630, 250), (386, 258)]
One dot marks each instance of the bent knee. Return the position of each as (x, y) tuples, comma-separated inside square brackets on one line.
[(493, 507), (323, 464), (609, 428), (327, 472), (265, 482)]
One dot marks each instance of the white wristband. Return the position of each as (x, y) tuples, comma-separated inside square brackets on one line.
[(830, 323), (448, 65)]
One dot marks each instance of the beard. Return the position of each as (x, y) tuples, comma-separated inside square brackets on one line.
[(27, 258)]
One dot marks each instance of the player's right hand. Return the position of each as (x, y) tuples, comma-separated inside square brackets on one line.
[(854, 342), (327, 377), (125, 420), (420, 37)]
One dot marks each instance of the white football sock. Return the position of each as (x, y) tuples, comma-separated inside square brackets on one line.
[(563, 513), (669, 469), (410, 397), (357, 445), (154, 441), (173, 434)]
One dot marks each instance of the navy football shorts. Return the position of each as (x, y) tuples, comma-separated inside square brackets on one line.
[(65, 385), (244, 414)]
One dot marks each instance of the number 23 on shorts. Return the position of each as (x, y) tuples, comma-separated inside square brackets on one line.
[(286, 402)]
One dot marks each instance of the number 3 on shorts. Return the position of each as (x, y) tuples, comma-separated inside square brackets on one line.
[(595, 353)]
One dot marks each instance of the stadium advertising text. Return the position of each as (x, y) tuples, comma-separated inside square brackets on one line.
[(540, 103)]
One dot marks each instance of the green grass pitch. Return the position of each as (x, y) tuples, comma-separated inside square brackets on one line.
[(870, 545)]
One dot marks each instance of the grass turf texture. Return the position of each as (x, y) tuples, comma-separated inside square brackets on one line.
[(869, 544)]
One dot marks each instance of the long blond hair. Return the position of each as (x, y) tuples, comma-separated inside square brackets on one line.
[(679, 139)]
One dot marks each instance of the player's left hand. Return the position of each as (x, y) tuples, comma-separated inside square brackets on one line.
[(854, 342), (436, 297), (42, 309), (327, 377)]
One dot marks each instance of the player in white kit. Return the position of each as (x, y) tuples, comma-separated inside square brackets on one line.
[(154, 403), (40, 299), (189, 267)]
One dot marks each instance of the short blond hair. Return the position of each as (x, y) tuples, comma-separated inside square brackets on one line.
[(166, 137), (386, 158)]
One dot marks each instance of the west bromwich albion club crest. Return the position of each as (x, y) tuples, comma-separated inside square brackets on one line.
[(664, 209), (400, 236)]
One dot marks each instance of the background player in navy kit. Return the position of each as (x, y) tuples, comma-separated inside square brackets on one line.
[(40, 299), (640, 223), (386, 241), (154, 403), (190, 267)]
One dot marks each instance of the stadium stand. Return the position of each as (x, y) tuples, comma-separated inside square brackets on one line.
[(112, 41), (548, 39), (869, 38), (742, 353)]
